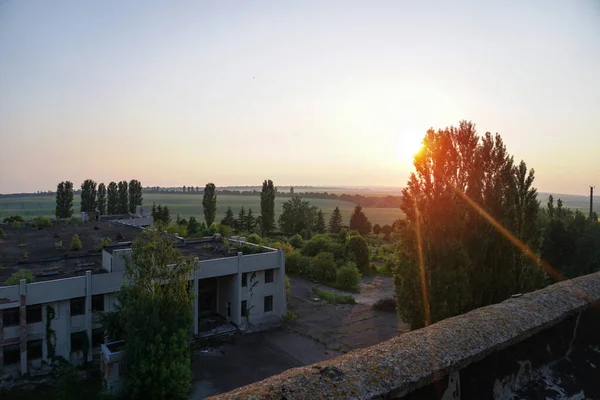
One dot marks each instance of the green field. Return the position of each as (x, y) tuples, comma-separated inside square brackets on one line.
[(187, 205)]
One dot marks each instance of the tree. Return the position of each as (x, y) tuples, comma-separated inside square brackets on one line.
[(335, 221), (461, 184), (250, 222), (267, 206), (348, 277), (386, 230), (297, 216), (165, 215), (241, 221), (88, 196), (157, 318), (320, 223), (357, 250), (123, 198), (229, 219), (112, 203), (193, 226), (184, 189), (359, 221), (102, 199), (377, 229), (64, 200), (76, 243), (135, 195), (209, 202)]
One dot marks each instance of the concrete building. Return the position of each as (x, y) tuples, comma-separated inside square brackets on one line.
[(58, 313)]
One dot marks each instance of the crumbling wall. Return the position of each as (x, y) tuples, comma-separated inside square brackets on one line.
[(484, 354)]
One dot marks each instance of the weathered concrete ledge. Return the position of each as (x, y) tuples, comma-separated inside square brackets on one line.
[(397, 367)]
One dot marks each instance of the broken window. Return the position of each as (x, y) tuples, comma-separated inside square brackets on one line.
[(78, 306), (10, 317), (244, 308), (244, 279), (98, 302), (78, 340), (34, 314), (268, 303), (269, 276), (12, 353), (34, 349), (97, 337)]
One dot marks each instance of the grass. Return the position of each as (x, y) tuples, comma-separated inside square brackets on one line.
[(187, 205), (334, 298)]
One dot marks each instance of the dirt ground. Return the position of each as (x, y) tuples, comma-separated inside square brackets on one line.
[(320, 332)]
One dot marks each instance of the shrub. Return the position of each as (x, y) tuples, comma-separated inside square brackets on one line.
[(104, 242), (13, 218), (348, 277), (317, 244), (15, 278), (15, 225), (254, 238), (387, 305), (180, 230), (286, 247), (334, 298), (41, 222), (76, 243), (224, 230), (376, 229), (322, 267), (296, 241), (357, 250), (58, 245), (295, 263)]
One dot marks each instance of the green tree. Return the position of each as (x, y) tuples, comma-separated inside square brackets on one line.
[(348, 277), (76, 242), (64, 200), (322, 267), (461, 183), (359, 221), (357, 250), (209, 203), (135, 195), (88, 196), (16, 277), (297, 216), (102, 199), (229, 219), (267, 206), (377, 229), (193, 226), (112, 199), (123, 196), (320, 223), (335, 221), (241, 220), (250, 222), (297, 241), (157, 318), (165, 215)]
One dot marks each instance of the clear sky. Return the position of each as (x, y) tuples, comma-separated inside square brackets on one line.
[(302, 92)]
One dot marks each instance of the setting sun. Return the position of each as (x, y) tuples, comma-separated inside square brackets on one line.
[(408, 145)]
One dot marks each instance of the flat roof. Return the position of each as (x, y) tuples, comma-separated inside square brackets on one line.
[(39, 250)]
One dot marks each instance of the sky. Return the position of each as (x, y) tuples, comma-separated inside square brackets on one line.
[(302, 92)]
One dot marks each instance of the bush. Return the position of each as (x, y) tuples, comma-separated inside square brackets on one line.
[(286, 247), (13, 218), (58, 245), (296, 241), (334, 298), (357, 250), (41, 222), (376, 229), (387, 305), (322, 267), (15, 278), (254, 238), (224, 230), (76, 243), (348, 277), (178, 229), (296, 263), (15, 225), (317, 244)]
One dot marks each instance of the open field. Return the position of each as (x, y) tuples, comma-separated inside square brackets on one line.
[(188, 204)]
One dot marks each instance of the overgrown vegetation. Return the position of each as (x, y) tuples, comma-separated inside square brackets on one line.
[(76, 243), (16, 277), (334, 298)]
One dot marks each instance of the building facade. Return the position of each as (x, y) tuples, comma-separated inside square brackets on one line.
[(60, 317)]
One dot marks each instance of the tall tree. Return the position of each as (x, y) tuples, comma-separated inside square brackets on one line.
[(267, 206), (112, 203), (229, 219), (320, 223), (297, 216), (448, 242), (123, 203), (157, 318), (335, 221), (88, 196), (250, 221), (184, 189), (359, 221), (135, 195), (64, 200), (241, 221), (209, 203), (102, 199)]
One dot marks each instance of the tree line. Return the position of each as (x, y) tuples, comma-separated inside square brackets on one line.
[(117, 198)]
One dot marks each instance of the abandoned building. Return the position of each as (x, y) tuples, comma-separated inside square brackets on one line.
[(57, 314)]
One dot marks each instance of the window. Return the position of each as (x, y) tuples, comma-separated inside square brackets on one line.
[(268, 276), (34, 314), (78, 306), (268, 303), (10, 317), (98, 302), (244, 279), (244, 308), (97, 337), (12, 353), (78, 340), (228, 310), (34, 349)]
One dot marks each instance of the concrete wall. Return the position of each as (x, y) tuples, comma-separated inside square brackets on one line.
[(488, 353)]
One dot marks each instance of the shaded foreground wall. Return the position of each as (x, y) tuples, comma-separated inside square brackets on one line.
[(487, 353)]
